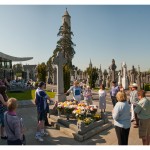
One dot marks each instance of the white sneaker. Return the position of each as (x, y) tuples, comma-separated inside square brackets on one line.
[(44, 134), (38, 137)]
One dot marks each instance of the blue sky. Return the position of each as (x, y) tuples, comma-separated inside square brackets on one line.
[(101, 33)]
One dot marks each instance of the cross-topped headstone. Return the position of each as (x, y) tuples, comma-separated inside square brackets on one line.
[(59, 61)]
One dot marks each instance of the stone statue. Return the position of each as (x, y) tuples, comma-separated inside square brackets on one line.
[(113, 68), (133, 75)]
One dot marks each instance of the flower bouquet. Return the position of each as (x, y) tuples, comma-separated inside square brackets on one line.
[(97, 117), (91, 110), (88, 121), (80, 112)]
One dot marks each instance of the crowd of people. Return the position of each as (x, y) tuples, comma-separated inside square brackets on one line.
[(136, 109)]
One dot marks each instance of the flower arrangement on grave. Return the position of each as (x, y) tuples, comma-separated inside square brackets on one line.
[(80, 112), (92, 109), (88, 121), (69, 106), (60, 106), (97, 117)]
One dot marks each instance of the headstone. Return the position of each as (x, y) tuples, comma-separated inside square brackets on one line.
[(133, 75), (113, 68), (100, 76), (107, 82), (87, 81), (104, 80), (147, 78), (125, 83), (59, 61), (76, 78), (119, 78), (139, 79)]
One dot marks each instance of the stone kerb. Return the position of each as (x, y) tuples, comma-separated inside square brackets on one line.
[(81, 132)]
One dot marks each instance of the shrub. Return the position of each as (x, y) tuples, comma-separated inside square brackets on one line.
[(147, 87)]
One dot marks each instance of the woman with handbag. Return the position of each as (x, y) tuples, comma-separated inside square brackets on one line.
[(13, 124)]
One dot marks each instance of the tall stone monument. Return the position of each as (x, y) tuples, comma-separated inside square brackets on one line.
[(113, 68), (139, 78), (59, 61), (119, 78), (133, 75), (125, 83), (100, 76)]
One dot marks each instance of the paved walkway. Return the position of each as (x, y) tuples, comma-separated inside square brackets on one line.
[(27, 111)]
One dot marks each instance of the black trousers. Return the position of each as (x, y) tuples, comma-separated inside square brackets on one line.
[(16, 142), (122, 135), (114, 100)]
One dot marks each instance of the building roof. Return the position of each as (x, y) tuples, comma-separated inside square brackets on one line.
[(12, 58), (29, 67)]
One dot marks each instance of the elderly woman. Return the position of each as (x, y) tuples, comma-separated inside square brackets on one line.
[(13, 124), (142, 110), (121, 116)]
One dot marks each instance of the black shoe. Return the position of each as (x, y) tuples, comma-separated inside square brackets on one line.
[(4, 137), (47, 124)]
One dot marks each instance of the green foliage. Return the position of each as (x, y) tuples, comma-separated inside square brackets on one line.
[(17, 68), (147, 87), (66, 70), (65, 45), (19, 74), (93, 75), (41, 68), (36, 84), (27, 95)]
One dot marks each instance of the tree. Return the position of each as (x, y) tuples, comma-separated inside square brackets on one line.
[(18, 68), (41, 69), (93, 75), (65, 45)]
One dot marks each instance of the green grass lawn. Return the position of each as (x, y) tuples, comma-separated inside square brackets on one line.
[(97, 89), (27, 95)]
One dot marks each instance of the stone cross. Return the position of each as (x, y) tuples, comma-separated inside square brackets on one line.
[(59, 61)]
